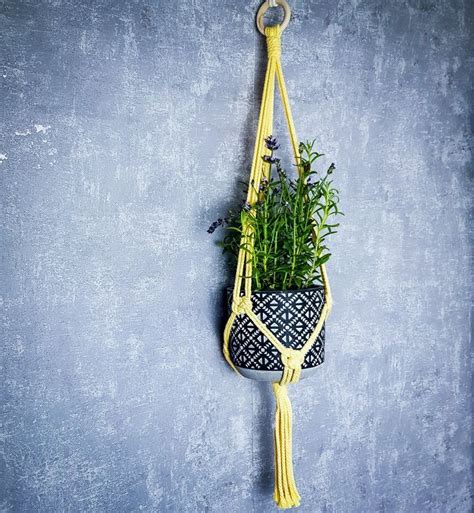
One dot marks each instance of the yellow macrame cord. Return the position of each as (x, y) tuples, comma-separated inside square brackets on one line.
[(285, 494)]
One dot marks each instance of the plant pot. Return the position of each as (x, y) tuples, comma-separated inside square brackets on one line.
[(292, 316)]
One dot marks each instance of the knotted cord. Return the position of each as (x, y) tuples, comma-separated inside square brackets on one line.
[(285, 494)]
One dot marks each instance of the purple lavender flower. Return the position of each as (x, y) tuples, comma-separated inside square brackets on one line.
[(271, 143), (269, 159), (216, 224)]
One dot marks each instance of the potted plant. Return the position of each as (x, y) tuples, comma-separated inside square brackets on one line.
[(290, 223)]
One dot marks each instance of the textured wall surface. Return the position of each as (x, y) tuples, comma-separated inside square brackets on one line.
[(125, 128)]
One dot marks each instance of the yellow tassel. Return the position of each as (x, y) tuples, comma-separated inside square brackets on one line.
[(286, 495)]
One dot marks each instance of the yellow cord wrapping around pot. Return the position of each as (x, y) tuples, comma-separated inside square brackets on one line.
[(285, 494)]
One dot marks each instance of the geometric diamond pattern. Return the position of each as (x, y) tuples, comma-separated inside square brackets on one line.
[(290, 315)]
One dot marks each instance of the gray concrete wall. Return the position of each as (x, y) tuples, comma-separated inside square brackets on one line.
[(125, 128)]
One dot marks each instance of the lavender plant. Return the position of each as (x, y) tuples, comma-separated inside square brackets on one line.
[(291, 222)]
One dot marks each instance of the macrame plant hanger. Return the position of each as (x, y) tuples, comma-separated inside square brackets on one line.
[(285, 492)]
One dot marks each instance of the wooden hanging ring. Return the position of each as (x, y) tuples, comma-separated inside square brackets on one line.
[(263, 9)]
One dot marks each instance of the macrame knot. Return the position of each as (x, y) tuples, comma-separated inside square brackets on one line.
[(239, 307), (273, 41), (293, 359)]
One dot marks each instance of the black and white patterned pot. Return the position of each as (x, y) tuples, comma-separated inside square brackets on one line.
[(292, 316)]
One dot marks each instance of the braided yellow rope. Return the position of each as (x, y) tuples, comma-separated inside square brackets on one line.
[(285, 495)]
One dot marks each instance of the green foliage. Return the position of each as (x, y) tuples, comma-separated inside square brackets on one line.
[(291, 222)]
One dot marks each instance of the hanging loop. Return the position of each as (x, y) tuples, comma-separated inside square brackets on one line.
[(263, 9)]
